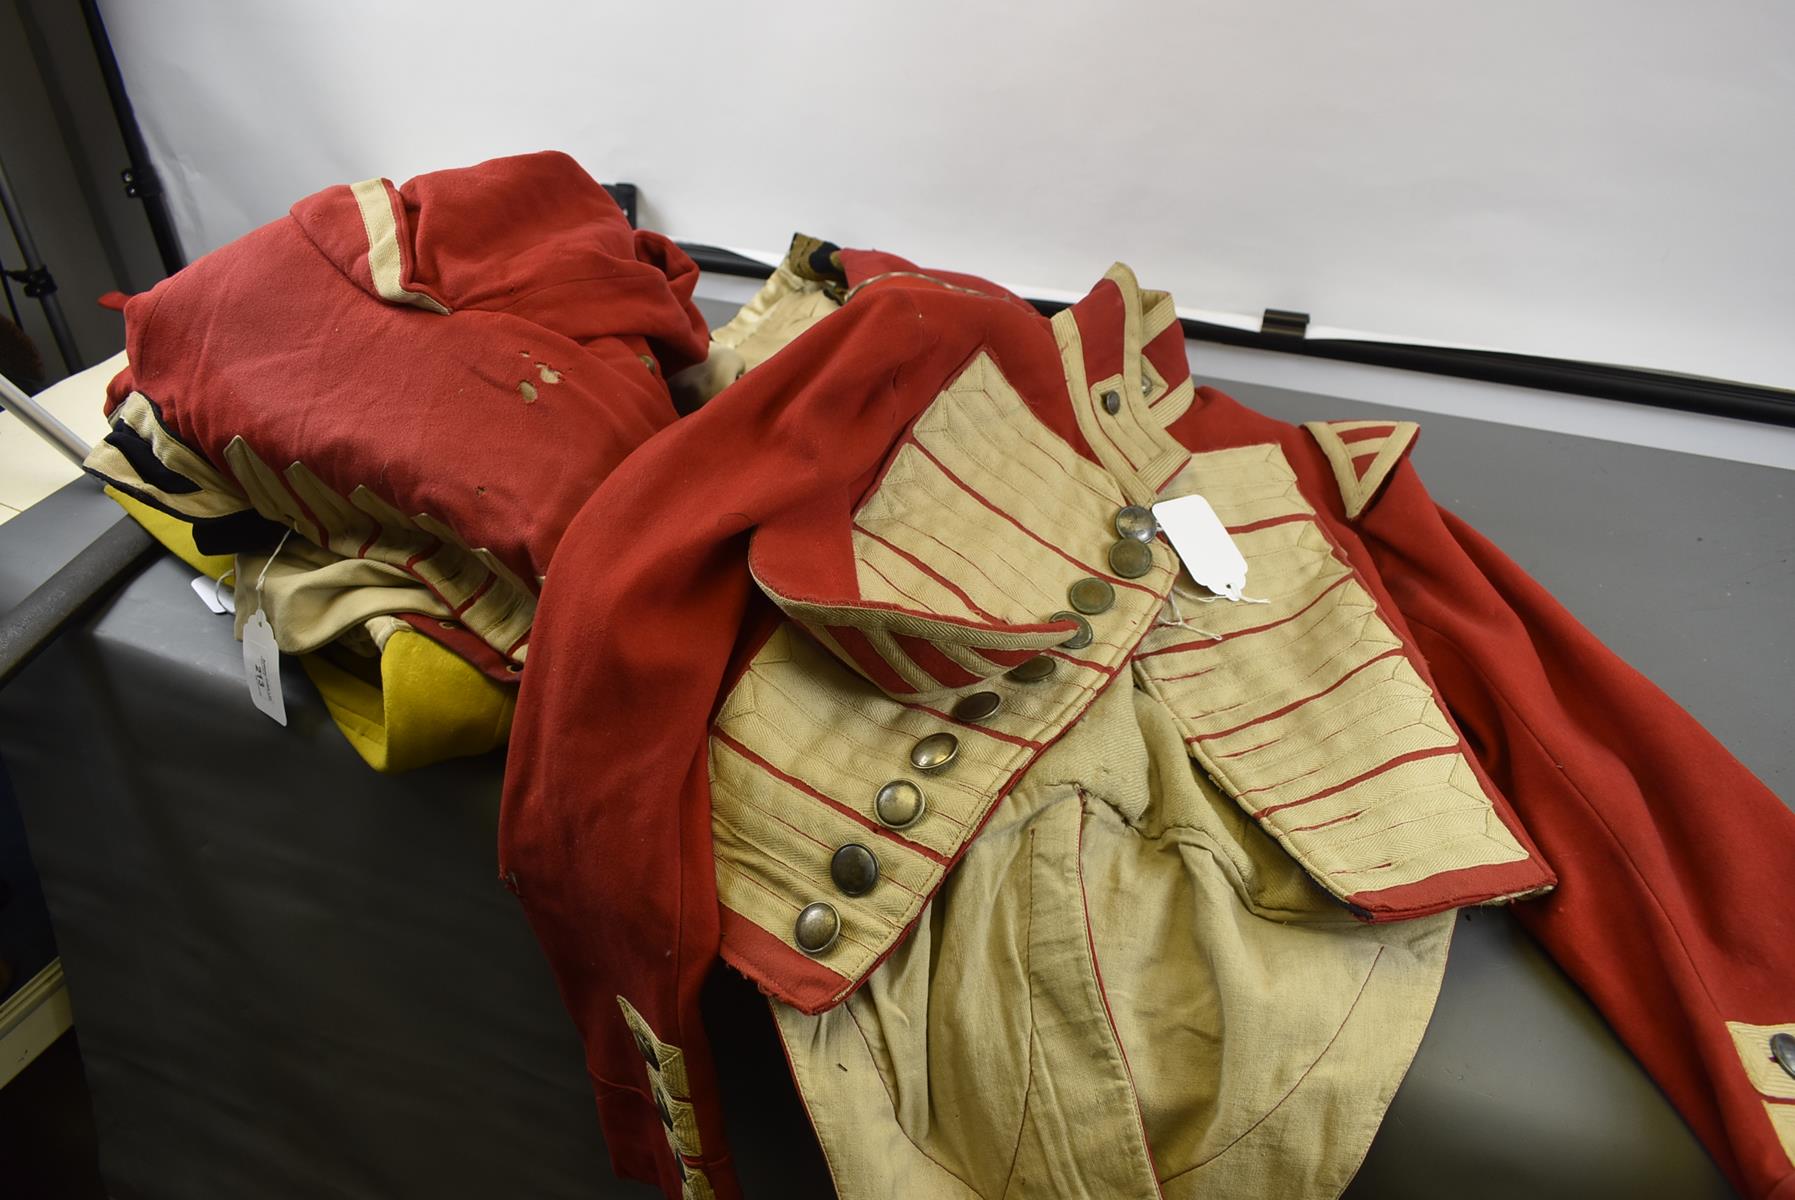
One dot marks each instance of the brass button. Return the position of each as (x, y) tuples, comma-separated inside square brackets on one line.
[(854, 869), (977, 706), (1136, 522), (819, 925), (1080, 637), (934, 752), (1112, 402), (1034, 670), (1782, 1049), (1146, 384), (1130, 559), (899, 804), (1091, 596)]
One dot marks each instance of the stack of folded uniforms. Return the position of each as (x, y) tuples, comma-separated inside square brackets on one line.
[(381, 411)]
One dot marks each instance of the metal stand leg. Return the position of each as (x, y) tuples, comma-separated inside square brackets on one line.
[(36, 277)]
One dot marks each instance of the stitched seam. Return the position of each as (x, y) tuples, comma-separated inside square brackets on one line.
[(892, 1101), (1577, 788), (1378, 957), (1102, 997), (1028, 955)]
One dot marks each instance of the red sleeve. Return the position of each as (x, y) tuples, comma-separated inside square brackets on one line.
[(605, 829), (1673, 910)]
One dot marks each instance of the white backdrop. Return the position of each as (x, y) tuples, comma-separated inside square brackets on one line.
[(1599, 179)]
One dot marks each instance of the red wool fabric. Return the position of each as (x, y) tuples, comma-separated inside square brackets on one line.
[(1665, 850), (497, 418)]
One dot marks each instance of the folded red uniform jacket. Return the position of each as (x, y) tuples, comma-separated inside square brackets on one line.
[(430, 377), (847, 569)]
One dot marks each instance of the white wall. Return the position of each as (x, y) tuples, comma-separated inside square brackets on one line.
[(1604, 179)]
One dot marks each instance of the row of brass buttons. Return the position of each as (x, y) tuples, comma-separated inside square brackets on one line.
[(854, 868)]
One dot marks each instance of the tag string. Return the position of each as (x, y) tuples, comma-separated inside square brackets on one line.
[(270, 563), (1179, 622)]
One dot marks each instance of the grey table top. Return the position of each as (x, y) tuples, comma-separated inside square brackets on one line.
[(318, 961)]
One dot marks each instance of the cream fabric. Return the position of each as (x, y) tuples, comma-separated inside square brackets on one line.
[(385, 262), (483, 594), (1305, 708), (667, 1079), (1125, 989), (214, 496), (786, 305), (313, 597), (1359, 484), (1132, 442), (1761, 1067)]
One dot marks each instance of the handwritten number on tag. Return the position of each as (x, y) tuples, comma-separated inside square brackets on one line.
[(261, 666)]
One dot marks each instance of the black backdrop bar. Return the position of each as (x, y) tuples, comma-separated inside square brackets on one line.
[(139, 176), (1689, 393)]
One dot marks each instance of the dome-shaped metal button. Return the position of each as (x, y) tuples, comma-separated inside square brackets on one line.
[(660, 1102), (899, 804), (854, 869), (1130, 559), (819, 925), (1091, 596), (646, 1049), (934, 752), (1112, 402), (1782, 1049), (1136, 522), (1034, 670), (977, 706), (1081, 637)]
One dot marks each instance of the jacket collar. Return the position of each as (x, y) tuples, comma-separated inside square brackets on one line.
[(1123, 350), (1121, 341)]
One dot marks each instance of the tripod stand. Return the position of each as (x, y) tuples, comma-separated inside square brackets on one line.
[(35, 277)]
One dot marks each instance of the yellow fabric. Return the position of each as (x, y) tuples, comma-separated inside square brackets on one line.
[(428, 705), (173, 533), (417, 704), (1221, 1013)]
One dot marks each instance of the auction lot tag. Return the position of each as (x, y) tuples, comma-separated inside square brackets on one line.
[(1203, 545), (261, 665)]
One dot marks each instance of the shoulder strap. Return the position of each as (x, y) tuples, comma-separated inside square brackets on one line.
[(1362, 453)]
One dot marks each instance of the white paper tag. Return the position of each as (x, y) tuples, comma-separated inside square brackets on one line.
[(213, 596), (1203, 545), (261, 664)]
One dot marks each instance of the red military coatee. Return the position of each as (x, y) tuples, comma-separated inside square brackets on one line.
[(1498, 751)]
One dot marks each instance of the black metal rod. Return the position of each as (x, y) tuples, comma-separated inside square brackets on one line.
[(148, 187), (82, 583), (1714, 397), (39, 284)]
